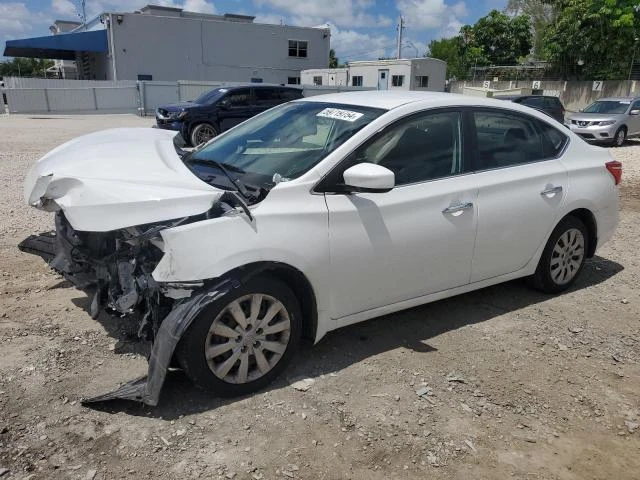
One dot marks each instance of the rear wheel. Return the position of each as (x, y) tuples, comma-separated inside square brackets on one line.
[(563, 256), (243, 341), (202, 133), (620, 137)]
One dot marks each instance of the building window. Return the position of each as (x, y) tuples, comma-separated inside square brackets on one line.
[(397, 80), (422, 81), (356, 81), (317, 80), (298, 48), (293, 80)]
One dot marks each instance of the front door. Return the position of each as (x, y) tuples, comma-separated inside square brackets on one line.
[(238, 107), (521, 186), (634, 120), (383, 79), (415, 239)]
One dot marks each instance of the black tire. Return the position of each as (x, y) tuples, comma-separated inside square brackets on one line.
[(543, 279), (202, 133), (191, 349), (620, 137)]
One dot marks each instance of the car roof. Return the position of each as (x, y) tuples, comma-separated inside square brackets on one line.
[(389, 100), (617, 99), (255, 85)]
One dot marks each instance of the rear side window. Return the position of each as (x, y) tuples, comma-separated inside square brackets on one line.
[(506, 139), (536, 102), (552, 102)]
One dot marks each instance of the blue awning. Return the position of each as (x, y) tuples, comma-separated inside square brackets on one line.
[(62, 46)]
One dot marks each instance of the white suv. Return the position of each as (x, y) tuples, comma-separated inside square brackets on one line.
[(316, 214)]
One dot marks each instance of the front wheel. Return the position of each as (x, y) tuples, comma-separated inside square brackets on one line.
[(202, 133), (563, 257), (243, 341), (620, 137)]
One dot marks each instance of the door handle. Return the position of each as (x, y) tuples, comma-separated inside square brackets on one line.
[(458, 208), (547, 192)]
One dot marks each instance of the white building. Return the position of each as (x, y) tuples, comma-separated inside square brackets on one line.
[(166, 43), (400, 74)]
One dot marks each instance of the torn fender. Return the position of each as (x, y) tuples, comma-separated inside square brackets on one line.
[(147, 389)]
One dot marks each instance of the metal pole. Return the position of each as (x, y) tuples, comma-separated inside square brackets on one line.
[(633, 57), (400, 28)]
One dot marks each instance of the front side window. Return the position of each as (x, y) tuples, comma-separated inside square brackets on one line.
[(505, 139), (636, 105), (287, 140), (425, 146), (298, 48), (608, 106), (356, 81), (239, 98), (397, 80)]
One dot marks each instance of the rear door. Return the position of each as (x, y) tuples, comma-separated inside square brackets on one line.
[(521, 186)]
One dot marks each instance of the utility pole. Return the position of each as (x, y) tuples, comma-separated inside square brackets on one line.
[(400, 28)]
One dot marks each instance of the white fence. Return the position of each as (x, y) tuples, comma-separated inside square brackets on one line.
[(39, 95)]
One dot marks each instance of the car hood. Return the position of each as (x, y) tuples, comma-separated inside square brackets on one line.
[(594, 117), (117, 178), (177, 107)]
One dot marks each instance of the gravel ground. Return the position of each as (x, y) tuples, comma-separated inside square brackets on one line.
[(521, 385)]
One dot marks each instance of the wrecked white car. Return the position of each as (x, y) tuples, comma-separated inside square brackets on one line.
[(314, 215)]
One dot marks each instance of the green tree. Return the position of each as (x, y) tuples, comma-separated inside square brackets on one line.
[(25, 67), (541, 12), (503, 40), (600, 33), (449, 50), (333, 60)]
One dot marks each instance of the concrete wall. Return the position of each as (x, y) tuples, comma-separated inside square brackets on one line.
[(170, 48), (573, 95)]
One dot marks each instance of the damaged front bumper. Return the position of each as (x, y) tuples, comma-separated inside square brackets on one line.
[(115, 269)]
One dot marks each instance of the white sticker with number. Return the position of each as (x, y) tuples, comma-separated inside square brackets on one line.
[(339, 114)]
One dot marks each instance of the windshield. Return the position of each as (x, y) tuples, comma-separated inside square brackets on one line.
[(608, 106), (286, 141), (210, 96)]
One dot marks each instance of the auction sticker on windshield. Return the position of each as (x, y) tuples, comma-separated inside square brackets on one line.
[(339, 114)]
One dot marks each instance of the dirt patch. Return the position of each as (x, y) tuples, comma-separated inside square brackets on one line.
[(521, 385)]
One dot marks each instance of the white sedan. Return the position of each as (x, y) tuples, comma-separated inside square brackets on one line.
[(314, 215)]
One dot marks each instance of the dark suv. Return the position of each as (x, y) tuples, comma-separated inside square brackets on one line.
[(552, 106), (220, 109)]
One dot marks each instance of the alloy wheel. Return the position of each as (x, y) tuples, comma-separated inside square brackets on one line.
[(567, 256), (204, 134), (247, 338)]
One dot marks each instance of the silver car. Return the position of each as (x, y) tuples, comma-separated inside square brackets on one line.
[(611, 120)]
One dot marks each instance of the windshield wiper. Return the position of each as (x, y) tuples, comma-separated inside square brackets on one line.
[(236, 182)]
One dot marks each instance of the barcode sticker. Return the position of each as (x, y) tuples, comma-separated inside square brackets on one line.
[(338, 114)]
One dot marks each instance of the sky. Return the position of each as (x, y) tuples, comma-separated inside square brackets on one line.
[(360, 29)]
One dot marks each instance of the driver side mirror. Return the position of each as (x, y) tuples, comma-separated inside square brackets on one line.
[(225, 104), (634, 112), (369, 178)]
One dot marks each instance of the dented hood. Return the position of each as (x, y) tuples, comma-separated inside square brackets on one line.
[(117, 178)]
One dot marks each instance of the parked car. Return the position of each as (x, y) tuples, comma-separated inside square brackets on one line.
[(316, 214), (611, 120), (220, 109), (550, 105)]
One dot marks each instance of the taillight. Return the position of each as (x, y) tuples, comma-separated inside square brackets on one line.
[(615, 169)]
